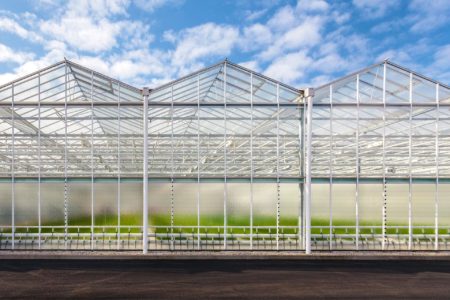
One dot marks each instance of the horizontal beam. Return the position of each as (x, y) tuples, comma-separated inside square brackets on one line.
[(157, 104), (317, 180), (381, 105), (155, 179)]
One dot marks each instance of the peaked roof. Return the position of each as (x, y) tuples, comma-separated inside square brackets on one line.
[(77, 87), (370, 86)]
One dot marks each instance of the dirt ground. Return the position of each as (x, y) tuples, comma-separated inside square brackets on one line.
[(206, 279)]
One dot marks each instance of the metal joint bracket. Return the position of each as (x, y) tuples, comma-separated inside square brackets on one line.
[(146, 91)]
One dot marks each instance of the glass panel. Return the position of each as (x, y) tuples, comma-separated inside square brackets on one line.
[(320, 216), (397, 196), (370, 216), (423, 198), (444, 216), (344, 216)]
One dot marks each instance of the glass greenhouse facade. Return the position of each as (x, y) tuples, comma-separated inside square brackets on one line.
[(224, 159)]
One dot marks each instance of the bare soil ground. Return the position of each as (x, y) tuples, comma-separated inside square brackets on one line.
[(163, 278)]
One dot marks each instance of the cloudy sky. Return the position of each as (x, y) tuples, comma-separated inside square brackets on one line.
[(148, 42)]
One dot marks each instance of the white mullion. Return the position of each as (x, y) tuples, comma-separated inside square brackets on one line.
[(66, 212), (171, 170), (302, 133), (330, 165), (383, 241), (278, 169), (39, 164), (357, 165), (198, 162), (410, 231), (13, 188), (145, 173), (251, 161), (92, 162), (225, 191), (118, 168), (436, 197), (308, 192)]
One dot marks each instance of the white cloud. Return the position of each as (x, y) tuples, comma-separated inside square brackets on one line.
[(283, 19), (289, 68), (429, 15), (96, 63), (9, 55), (7, 77), (255, 36), (169, 36), (441, 58), (251, 16), (87, 25), (151, 5), (375, 8), (395, 55), (204, 41), (11, 26), (330, 63), (440, 67), (252, 65), (318, 81), (304, 35), (84, 33), (97, 8), (312, 5)]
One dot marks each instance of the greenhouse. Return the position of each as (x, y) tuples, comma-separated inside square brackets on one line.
[(224, 159)]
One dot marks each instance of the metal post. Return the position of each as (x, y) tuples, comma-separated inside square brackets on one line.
[(410, 231), (66, 212), (251, 161), (436, 195), (198, 162), (301, 217), (172, 168), (118, 168), (357, 166), (39, 164), (225, 188), (383, 240), (278, 168), (145, 93), (92, 162), (330, 165), (309, 96), (13, 184)]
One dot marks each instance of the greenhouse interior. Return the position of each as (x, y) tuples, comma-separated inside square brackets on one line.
[(224, 159)]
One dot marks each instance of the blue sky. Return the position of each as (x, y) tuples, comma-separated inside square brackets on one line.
[(149, 42)]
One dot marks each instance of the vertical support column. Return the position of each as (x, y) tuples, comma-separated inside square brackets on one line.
[(309, 94), (330, 165), (251, 161), (118, 168), (357, 166), (145, 93), (198, 162), (172, 167), (225, 188), (301, 212), (278, 169), (13, 181), (410, 231), (92, 163), (39, 164), (436, 194), (66, 211), (383, 240)]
